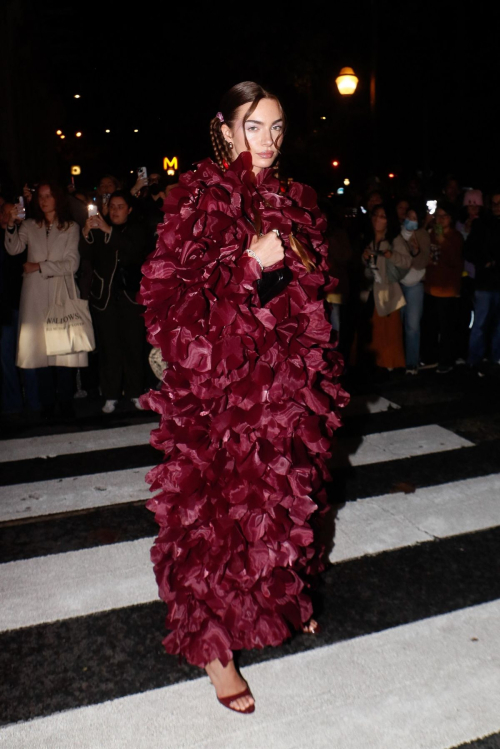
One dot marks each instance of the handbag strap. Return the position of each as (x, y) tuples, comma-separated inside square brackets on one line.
[(67, 282)]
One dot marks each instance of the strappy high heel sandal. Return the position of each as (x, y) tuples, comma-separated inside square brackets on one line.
[(311, 627), (226, 701)]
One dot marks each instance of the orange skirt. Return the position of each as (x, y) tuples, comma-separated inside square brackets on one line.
[(387, 340)]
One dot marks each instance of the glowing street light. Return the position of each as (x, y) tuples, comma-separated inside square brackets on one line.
[(136, 131), (347, 182), (347, 81), (322, 118), (58, 132), (108, 131), (78, 134), (391, 175), (335, 163), (77, 96), (62, 137)]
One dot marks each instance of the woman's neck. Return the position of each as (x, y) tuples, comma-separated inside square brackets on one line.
[(379, 236), (50, 217)]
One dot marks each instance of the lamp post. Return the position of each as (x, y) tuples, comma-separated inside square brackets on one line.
[(347, 82)]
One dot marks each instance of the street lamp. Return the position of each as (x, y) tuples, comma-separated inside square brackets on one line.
[(347, 81)]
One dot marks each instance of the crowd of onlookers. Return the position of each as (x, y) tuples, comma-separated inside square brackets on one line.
[(419, 285), (419, 281)]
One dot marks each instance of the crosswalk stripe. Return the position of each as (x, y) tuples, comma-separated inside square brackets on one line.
[(59, 586), (76, 493), (76, 442), (96, 490), (403, 443), (392, 521), (432, 683), (372, 404)]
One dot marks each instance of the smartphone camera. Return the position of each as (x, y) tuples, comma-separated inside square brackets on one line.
[(21, 210), (431, 206), (92, 210), (142, 172)]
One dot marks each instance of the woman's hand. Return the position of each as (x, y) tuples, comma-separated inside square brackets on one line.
[(387, 254), (13, 217), (268, 248), (97, 222), (141, 182), (88, 227), (367, 254), (27, 194), (31, 267)]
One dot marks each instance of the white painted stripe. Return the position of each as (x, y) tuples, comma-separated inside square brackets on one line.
[(76, 442), (392, 521), (369, 404), (77, 583), (100, 489), (402, 443), (431, 684), (75, 493), (83, 582)]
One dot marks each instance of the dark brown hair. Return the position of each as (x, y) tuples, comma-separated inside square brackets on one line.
[(247, 92), (64, 218)]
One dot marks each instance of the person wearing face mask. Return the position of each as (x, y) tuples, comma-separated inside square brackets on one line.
[(112, 255), (417, 244), (384, 264)]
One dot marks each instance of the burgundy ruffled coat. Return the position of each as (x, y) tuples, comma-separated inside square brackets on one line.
[(248, 408)]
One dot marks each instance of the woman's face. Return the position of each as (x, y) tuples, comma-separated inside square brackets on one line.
[(402, 210), (473, 211), (263, 130), (442, 218), (411, 215), (46, 200), (118, 211), (106, 186), (379, 221)]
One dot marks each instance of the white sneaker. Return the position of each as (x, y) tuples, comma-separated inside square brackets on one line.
[(137, 404), (109, 407)]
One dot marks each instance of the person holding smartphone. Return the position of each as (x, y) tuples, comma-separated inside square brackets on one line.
[(113, 251), (51, 238)]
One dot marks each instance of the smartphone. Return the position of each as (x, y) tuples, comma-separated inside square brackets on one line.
[(431, 206), (21, 210), (92, 209), (142, 172), (105, 198)]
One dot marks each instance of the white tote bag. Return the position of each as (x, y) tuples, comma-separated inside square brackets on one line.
[(68, 327)]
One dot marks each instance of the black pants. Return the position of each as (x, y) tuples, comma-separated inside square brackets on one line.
[(120, 342), (439, 330), (55, 384)]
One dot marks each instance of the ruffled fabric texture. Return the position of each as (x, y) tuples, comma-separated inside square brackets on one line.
[(248, 407)]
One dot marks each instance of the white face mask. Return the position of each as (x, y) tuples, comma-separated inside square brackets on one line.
[(406, 234)]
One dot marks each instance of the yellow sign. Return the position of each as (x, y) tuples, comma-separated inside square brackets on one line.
[(170, 163), (75, 170)]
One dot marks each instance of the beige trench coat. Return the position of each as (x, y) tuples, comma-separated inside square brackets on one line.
[(58, 255)]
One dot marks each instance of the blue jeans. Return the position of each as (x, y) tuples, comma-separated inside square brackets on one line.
[(411, 316), (486, 326), (13, 378)]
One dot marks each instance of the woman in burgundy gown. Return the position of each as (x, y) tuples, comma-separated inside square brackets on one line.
[(249, 399)]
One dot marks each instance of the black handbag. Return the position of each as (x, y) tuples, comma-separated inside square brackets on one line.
[(273, 283)]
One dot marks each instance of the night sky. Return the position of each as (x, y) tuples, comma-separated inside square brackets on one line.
[(162, 71)]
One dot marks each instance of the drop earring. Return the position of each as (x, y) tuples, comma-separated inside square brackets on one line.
[(230, 145)]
